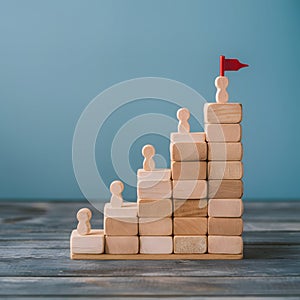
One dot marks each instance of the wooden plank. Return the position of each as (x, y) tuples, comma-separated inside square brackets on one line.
[(259, 260), (155, 256), (147, 286)]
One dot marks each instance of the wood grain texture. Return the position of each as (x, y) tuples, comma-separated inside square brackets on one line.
[(189, 170), (121, 244), (226, 189), (120, 226), (92, 243), (188, 151), (224, 151), (192, 137), (226, 208), (150, 208), (190, 208), (141, 256), (190, 226), (218, 113), (225, 244), (128, 209), (190, 244), (154, 189), (156, 244), (225, 170), (225, 226), (35, 259), (154, 175), (189, 189), (155, 226), (223, 133)]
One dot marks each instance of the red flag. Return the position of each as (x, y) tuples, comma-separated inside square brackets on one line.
[(230, 64)]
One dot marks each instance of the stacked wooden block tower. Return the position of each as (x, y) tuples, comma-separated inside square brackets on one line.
[(225, 171), (191, 211), (189, 173)]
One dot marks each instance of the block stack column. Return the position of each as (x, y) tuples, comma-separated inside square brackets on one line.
[(154, 193), (189, 168), (225, 171), (120, 223)]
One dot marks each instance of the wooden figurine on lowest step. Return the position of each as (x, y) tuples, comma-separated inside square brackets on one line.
[(85, 240)]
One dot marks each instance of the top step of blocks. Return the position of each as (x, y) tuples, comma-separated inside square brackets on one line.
[(222, 113)]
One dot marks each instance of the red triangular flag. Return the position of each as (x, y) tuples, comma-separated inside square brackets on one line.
[(230, 64)]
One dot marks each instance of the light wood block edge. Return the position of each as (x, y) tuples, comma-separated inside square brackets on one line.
[(205, 256)]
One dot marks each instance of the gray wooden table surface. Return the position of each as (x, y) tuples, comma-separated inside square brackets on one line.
[(34, 263)]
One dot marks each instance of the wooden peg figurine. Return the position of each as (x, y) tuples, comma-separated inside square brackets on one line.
[(183, 115), (221, 84), (148, 152), (116, 189), (84, 216)]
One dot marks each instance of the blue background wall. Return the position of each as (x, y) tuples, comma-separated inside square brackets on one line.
[(55, 56)]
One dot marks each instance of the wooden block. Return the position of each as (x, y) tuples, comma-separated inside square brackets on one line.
[(156, 244), (154, 189), (155, 226), (155, 175), (226, 208), (87, 244), (128, 209), (120, 226), (225, 189), (190, 226), (225, 244), (223, 132), (191, 137), (188, 151), (190, 208), (190, 244), (218, 113), (121, 244), (148, 208), (225, 170), (225, 226), (225, 151), (188, 170), (189, 189)]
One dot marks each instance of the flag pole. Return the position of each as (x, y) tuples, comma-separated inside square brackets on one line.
[(222, 63)]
